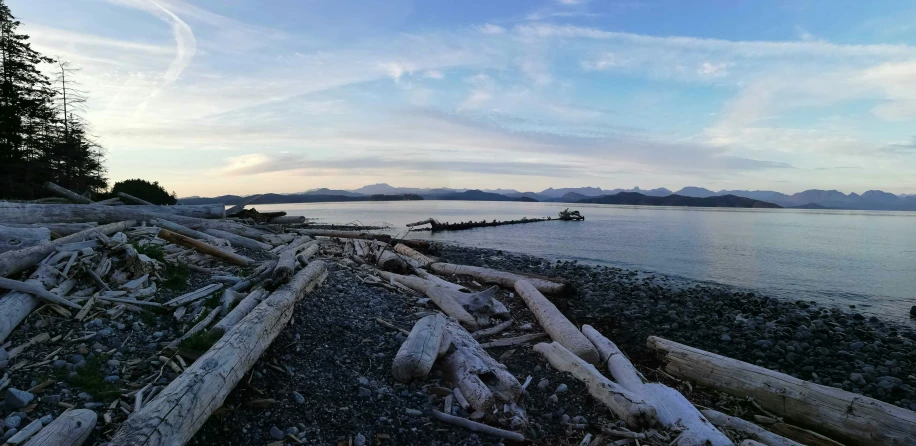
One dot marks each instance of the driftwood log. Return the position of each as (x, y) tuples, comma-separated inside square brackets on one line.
[(12, 262), (626, 405), (66, 193), (238, 208), (79, 213), (419, 259), (747, 428), (16, 306), (71, 428), (419, 351), (61, 229), (240, 311), (17, 238), (836, 413), (238, 240), (188, 232), (134, 199), (202, 247), (473, 310), (501, 278), (555, 323), (179, 410)]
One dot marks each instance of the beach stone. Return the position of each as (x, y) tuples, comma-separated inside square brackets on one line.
[(364, 392), (12, 421), (46, 420), (9, 434), (59, 364), (562, 388), (553, 399), (298, 398), (543, 384), (18, 399), (276, 433), (360, 440), (413, 412), (76, 359), (725, 337)]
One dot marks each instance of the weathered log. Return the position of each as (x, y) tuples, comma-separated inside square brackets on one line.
[(18, 238), (836, 413), (428, 221), (555, 323), (71, 428), (260, 274), (78, 213), (61, 229), (228, 298), (202, 247), (287, 220), (194, 295), (478, 427), (238, 240), (188, 232), (626, 405), (421, 260), (389, 261), (618, 365), (508, 342), (803, 436), (286, 263), (502, 278), (134, 199), (438, 280), (175, 415), (750, 430), (240, 311), (12, 262), (306, 255), (442, 297), (479, 334), (239, 207), (344, 234), (419, 351), (66, 193), (25, 433), (16, 306), (35, 290), (109, 202)]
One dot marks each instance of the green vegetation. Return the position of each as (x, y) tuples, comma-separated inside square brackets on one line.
[(90, 379), (176, 276), (149, 318), (200, 341), (144, 190), (152, 251)]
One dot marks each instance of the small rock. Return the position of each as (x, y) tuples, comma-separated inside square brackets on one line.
[(363, 381), (364, 392), (12, 421), (112, 378), (18, 399), (360, 440), (553, 399), (276, 433), (59, 364), (725, 337), (413, 412), (158, 334), (543, 384), (298, 398), (46, 420), (562, 388), (76, 359)]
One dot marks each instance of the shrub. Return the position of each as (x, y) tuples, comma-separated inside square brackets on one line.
[(151, 192)]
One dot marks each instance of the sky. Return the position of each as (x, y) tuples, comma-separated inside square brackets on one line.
[(213, 97)]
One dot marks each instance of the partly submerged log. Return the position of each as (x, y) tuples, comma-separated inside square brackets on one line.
[(18, 238), (626, 405), (78, 213), (836, 413), (556, 324), (66, 193), (12, 262), (179, 239), (750, 430), (71, 428), (502, 278), (134, 199), (175, 415), (417, 354)]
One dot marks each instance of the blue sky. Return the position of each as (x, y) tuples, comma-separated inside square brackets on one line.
[(242, 96)]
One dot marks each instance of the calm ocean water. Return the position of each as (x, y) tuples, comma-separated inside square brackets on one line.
[(842, 258)]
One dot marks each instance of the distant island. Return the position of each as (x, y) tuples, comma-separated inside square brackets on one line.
[(809, 199), (724, 201)]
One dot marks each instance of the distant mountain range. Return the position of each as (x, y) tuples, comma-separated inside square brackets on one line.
[(722, 201), (809, 199)]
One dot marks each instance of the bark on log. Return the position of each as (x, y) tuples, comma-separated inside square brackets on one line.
[(502, 278), (61, 229), (421, 260), (556, 324), (202, 247), (419, 351), (238, 208), (239, 312), (78, 213), (71, 428), (626, 405), (17, 238), (134, 199), (12, 262), (66, 193), (175, 415), (747, 428), (238, 240), (842, 415)]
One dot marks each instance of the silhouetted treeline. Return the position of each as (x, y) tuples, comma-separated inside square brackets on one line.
[(152, 192), (42, 136), (404, 197)]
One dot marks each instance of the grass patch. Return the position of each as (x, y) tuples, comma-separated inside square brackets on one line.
[(149, 318), (91, 380), (152, 251), (200, 341), (213, 300), (176, 276)]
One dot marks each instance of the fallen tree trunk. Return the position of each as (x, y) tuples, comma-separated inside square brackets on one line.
[(556, 324), (626, 405), (747, 428), (238, 240), (842, 415), (71, 428), (238, 208), (18, 238), (66, 193), (78, 213), (175, 415), (12, 262), (239, 312), (179, 239), (417, 354), (61, 229), (501, 278), (16, 306), (134, 199), (421, 260)]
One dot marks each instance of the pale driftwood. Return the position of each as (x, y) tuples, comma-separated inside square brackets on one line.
[(228, 298), (175, 415), (194, 295), (197, 328), (555, 323), (442, 297), (141, 303), (261, 273), (35, 290), (134, 199), (438, 280), (502, 278), (747, 428), (673, 410), (419, 351), (803, 436), (307, 254), (240, 311), (421, 260), (484, 382), (496, 329), (71, 428), (80, 213), (61, 229), (389, 261), (286, 263), (287, 220), (839, 414), (626, 405), (12, 262), (238, 240), (188, 232), (204, 248), (66, 193), (16, 306), (508, 342), (109, 202), (17, 238), (25, 433), (238, 208), (478, 427)]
